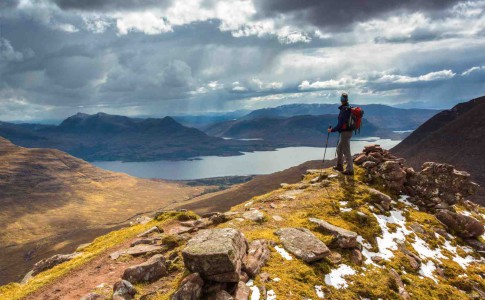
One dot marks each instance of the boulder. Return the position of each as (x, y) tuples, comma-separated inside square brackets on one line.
[(123, 290), (476, 244), (400, 285), (334, 258), (345, 238), (51, 262), (381, 198), (146, 233), (303, 244), (356, 256), (359, 160), (93, 296), (369, 164), (463, 226), (254, 215), (277, 218), (216, 254), (258, 255), (242, 291), (138, 250), (222, 295), (190, 288), (218, 218), (146, 241), (151, 270)]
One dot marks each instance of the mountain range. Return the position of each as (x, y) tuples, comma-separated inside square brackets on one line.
[(305, 130), (104, 137), (110, 137), (382, 116), (455, 136)]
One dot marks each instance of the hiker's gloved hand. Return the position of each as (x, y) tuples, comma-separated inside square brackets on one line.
[(329, 129)]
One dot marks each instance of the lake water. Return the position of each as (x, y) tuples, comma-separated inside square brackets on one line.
[(251, 163)]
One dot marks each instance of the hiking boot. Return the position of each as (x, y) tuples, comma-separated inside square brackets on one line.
[(351, 173), (338, 168)]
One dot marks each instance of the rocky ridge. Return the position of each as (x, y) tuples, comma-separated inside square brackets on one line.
[(390, 232)]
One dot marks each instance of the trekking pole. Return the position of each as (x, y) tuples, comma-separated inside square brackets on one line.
[(325, 152)]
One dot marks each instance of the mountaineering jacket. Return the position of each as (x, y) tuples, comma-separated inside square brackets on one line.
[(343, 118)]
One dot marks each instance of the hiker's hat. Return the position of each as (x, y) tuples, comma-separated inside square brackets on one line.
[(344, 97)]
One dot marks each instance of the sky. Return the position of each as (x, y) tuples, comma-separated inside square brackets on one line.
[(168, 57)]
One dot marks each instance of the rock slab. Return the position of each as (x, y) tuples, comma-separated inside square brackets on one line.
[(151, 270), (302, 243), (345, 238)]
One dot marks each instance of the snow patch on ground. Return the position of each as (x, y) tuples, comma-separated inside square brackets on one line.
[(427, 270), (332, 175), (283, 253), (387, 243), (345, 209), (336, 277), (405, 200), (319, 291), (255, 293), (466, 213), (270, 295)]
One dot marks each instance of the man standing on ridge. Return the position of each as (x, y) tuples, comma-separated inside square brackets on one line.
[(343, 147)]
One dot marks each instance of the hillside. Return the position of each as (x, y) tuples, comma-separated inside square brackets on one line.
[(326, 237), (455, 136), (52, 202), (307, 130), (110, 137), (382, 116)]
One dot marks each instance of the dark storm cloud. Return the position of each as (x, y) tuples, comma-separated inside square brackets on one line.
[(4, 4), (52, 62), (110, 5), (344, 12)]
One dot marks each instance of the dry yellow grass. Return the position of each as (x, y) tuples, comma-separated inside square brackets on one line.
[(52, 202)]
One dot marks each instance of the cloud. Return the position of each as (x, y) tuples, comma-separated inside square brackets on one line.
[(473, 70), (146, 22), (153, 57), (432, 76), (342, 14), (8, 53)]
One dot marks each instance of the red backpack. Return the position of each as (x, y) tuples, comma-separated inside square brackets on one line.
[(355, 120)]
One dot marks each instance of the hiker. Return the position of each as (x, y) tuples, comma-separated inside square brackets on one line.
[(343, 147)]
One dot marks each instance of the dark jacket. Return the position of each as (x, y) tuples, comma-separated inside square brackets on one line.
[(343, 118)]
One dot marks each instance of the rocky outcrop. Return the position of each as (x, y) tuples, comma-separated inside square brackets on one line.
[(51, 262), (216, 254), (344, 238), (190, 288), (439, 185), (151, 270), (303, 244), (463, 226), (380, 163), (258, 255), (123, 290)]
